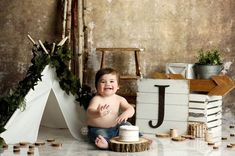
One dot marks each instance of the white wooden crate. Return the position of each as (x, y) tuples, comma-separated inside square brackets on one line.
[(204, 108), (176, 105), (208, 110)]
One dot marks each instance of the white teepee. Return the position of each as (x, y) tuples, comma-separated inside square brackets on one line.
[(47, 105)]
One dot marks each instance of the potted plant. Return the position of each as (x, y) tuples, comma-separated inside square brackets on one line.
[(208, 64)]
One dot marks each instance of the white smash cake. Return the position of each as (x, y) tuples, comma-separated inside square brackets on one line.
[(128, 133)]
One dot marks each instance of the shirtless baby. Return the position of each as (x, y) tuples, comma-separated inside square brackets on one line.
[(103, 113)]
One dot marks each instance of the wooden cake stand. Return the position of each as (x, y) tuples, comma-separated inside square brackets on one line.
[(135, 146)]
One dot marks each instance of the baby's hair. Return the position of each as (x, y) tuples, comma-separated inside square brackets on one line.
[(104, 71)]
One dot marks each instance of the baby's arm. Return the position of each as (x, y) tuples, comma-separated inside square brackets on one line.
[(128, 110)]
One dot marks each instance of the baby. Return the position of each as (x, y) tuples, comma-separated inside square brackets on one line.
[(103, 113)]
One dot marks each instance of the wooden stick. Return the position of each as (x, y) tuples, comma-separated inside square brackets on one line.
[(41, 44), (62, 41), (68, 21), (31, 39), (53, 48), (64, 18)]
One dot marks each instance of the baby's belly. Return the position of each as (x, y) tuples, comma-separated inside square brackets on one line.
[(103, 122)]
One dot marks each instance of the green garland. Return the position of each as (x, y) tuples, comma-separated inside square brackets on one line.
[(59, 59)]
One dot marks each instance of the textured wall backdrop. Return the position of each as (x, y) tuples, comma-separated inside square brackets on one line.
[(167, 30)]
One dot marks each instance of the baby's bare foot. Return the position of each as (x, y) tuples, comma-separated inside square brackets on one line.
[(101, 142)]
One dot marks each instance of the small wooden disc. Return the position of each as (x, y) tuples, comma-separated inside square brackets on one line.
[(232, 135), (210, 143), (56, 144), (135, 146), (39, 143), (163, 135), (16, 150), (30, 152), (31, 146), (50, 140), (16, 146), (5, 146), (215, 147), (224, 138), (188, 137), (23, 144), (178, 139), (231, 126), (229, 146)]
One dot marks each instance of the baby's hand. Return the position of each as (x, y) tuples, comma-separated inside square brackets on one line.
[(103, 110), (122, 118)]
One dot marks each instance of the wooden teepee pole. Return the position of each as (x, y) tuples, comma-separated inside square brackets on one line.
[(64, 19)]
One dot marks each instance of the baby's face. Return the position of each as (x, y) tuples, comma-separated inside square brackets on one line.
[(107, 85)]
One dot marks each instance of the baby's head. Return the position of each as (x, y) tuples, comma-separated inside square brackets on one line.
[(104, 71)]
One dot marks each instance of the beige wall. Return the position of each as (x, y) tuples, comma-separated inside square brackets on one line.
[(167, 30)]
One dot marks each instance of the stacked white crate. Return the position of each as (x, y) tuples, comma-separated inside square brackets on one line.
[(176, 105), (207, 109)]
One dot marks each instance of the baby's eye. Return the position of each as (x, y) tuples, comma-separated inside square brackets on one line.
[(112, 81)]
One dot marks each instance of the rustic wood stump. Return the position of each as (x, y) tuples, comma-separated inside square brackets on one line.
[(135, 146)]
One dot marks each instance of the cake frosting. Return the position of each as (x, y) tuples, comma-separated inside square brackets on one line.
[(128, 133)]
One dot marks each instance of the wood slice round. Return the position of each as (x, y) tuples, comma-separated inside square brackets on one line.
[(135, 146)]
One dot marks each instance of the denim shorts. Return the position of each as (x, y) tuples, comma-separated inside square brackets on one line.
[(107, 133)]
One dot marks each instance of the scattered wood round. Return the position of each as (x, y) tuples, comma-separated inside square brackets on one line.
[(188, 137), (30, 152), (50, 140), (224, 138), (16, 146), (39, 143), (211, 143), (231, 126), (16, 150), (5, 146), (232, 135), (56, 144), (229, 146), (215, 147), (31, 146), (163, 135), (135, 146), (23, 144), (179, 138)]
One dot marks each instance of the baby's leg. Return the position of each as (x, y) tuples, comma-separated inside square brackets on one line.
[(101, 142)]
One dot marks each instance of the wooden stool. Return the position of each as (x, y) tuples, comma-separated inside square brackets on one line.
[(135, 146), (136, 53)]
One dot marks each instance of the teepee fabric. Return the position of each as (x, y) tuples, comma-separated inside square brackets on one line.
[(46, 105)]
